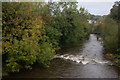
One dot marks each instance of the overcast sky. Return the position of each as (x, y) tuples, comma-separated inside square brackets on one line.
[(97, 8)]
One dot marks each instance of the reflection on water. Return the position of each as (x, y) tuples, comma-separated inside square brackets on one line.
[(77, 62)]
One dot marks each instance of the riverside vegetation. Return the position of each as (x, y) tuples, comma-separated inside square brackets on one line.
[(33, 32), (110, 33)]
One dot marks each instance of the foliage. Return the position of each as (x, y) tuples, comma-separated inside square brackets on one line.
[(71, 22), (21, 36), (110, 34), (110, 31), (115, 11), (32, 32), (46, 54), (115, 14)]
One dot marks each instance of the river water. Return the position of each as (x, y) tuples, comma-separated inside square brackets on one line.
[(86, 61)]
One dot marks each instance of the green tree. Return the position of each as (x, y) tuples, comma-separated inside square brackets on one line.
[(32, 32)]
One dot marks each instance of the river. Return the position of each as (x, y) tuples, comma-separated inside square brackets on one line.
[(86, 61)]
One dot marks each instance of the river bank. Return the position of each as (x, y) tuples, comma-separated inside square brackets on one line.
[(86, 61)]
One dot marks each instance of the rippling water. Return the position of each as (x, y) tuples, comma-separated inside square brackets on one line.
[(86, 61), (82, 59)]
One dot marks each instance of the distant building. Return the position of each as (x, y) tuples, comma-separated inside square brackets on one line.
[(91, 21)]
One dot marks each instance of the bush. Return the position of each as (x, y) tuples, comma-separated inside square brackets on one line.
[(110, 38), (21, 36)]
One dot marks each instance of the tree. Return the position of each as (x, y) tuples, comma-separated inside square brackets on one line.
[(32, 32), (115, 11)]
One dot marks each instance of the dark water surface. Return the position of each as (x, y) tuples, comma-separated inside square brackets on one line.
[(86, 61)]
